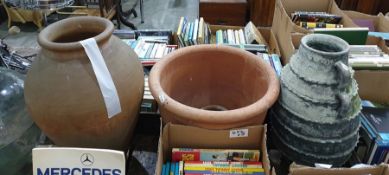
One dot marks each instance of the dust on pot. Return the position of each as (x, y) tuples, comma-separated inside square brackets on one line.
[(214, 87)]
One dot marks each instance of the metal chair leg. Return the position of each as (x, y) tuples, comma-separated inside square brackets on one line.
[(141, 11)]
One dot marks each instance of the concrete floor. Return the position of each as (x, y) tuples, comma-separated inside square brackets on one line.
[(158, 14)]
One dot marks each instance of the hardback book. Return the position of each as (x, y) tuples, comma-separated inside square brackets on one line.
[(181, 31), (185, 154), (383, 35), (252, 34), (312, 25), (149, 50), (301, 16), (195, 32), (223, 167), (354, 36), (230, 36), (191, 29), (277, 63), (160, 50), (242, 37), (377, 124), (154, 51), (200, 37), (219, 37), (187, 30), (236, 36), (225, 37)]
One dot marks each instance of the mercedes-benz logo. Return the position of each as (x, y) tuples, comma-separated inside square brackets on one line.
[(87, 159)]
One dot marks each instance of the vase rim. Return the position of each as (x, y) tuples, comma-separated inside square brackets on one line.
[(335, 41), (48, 36), (245, 113)]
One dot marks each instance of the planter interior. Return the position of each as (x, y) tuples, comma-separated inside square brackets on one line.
[(215, 79)]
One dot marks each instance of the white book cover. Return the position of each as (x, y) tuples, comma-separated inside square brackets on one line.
[(77, 161), (160, 51), (195, 31), (154, 51), (143, 50), (242, 37), (230, 36), (236, 35)]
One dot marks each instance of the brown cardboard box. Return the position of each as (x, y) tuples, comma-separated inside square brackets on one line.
[(181, 136), (381, 24), (283, 26), (287, 7), (382, 169)]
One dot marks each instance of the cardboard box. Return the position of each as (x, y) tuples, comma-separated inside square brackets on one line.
[(286, 7), (381, 24), (181, 136), (303, 170), (266, 32), (284, 28)]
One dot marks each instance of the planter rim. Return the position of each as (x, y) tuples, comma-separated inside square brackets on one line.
[(214, 117), (46, 37), (340, 43)]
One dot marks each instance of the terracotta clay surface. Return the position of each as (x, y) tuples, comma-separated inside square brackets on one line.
[(62, 93), (216, 87)]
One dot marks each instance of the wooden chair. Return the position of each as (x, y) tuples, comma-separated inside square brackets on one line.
[(21, 15)]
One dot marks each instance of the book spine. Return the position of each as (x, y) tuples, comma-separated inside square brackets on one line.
[(236, 35), (200, 38), (230, 36), (187, 30), (225, 37), (277, 64), (242, 37), (149, 50), (195, 32), (311, 25)]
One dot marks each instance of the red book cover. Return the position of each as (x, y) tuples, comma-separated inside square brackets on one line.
[(182, 154)]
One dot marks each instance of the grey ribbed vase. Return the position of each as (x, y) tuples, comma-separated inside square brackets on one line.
[(315, 119)]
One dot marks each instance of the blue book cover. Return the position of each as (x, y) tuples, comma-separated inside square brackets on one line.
[(379, 151), (163, 169), (172, 168), (378, 118), (177, 171), (167, 169), (383, 35)]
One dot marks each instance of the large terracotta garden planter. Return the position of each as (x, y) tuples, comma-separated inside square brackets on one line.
[(211, 86), (62, 92)]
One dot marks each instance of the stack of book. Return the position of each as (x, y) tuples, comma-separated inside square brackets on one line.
[(187, 161), (273, 60), (193, 33), (374, 135), (149, 45), (367, 56), (149, 105), (310, 20)]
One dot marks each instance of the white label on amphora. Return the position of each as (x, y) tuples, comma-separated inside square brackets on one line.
[(104, 79)]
